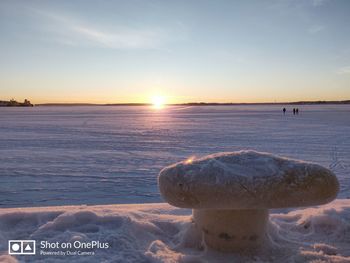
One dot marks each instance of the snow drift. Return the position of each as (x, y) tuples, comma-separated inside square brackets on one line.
[(162, 233)]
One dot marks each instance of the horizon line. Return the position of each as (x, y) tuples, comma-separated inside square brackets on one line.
[(194, 103)]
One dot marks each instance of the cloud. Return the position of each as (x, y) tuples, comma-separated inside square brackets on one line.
[(315, 29), (69, 31), (319, 2), (343, 70), (122, 38)]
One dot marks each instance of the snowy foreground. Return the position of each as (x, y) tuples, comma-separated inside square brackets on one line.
[(162, 233)]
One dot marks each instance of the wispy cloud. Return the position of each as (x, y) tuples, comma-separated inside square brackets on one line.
[(122, 38), (294, 5), (316, 29), (319, 2), (343, 70), (70, 31)]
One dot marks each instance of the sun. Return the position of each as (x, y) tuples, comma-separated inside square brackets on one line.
[(158, 101)]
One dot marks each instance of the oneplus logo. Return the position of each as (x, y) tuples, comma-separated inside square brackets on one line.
[(22, 247)]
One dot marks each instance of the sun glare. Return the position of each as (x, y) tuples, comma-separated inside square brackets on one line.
[(158, 102), (190, 160)]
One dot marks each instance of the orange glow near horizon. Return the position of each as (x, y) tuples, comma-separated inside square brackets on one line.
[(158, 100)]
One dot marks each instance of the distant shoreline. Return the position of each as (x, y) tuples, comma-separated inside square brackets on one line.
[(14, 103), (342, 102)]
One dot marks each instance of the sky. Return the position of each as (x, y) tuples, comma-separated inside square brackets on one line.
[(184, 50)]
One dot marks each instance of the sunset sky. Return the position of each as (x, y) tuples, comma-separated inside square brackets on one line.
[(183, 50)]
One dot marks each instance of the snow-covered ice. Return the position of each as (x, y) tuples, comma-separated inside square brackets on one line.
[(109, 155), (162, 233)]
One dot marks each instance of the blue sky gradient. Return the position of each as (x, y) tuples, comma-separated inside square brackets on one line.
[(129, 51)]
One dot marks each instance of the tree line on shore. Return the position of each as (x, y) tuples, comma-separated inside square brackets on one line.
[(14, 103)]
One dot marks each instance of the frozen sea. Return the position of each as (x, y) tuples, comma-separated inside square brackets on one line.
[(112, 155)]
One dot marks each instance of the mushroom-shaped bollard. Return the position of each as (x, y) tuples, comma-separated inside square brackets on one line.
[(230, 193)]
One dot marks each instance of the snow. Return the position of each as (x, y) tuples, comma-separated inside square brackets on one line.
[(162, 233), (246, 180), (112, 155)]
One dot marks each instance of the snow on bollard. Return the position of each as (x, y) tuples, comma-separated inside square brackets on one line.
[(230, 193)]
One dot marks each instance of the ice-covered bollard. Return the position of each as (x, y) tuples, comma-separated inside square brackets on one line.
[(230, 193)]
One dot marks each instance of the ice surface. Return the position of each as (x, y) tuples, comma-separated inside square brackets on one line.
[(162, 233), (109, 155)]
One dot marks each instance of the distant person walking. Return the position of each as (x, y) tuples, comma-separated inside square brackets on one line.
[(297, 111), (284, 110), (294, 111)]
